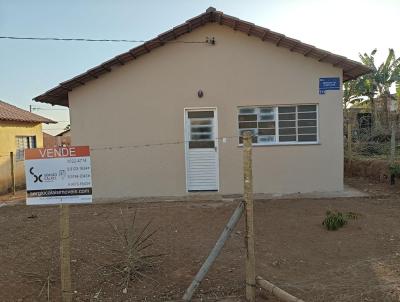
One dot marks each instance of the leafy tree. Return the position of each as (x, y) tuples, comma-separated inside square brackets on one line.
[(351, 93), (376, 85)]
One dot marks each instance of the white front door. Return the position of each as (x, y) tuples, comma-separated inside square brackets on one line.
[(201, 148)]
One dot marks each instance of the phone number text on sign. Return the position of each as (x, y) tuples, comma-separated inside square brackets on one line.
[(58, 175)]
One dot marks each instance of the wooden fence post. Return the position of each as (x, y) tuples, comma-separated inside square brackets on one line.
[(65, 257), (393, 122), (350, 148), (248, 200), (12, 172)]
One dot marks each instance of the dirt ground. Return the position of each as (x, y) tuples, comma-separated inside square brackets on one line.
[(360, 262)]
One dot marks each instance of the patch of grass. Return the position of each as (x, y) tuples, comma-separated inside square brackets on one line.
[(335, 220)]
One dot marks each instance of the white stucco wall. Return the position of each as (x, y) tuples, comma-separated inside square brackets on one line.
[(143, 102)]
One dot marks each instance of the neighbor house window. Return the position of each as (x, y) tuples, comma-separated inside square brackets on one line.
[(22, 143), (289, 124)]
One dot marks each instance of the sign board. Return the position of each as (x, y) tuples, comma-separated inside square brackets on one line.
[(328, 84), (59, 175)]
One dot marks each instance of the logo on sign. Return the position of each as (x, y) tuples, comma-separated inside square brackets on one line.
[(37, 177), (328, 84)]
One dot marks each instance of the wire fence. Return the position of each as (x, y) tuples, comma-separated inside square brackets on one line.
[(366, 139), (101, 252), (371, 146)]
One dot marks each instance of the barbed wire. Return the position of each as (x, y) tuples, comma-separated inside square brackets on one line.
[(155, 144), (96, 148)]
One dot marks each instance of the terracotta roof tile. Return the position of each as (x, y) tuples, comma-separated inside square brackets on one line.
[(9, 112)]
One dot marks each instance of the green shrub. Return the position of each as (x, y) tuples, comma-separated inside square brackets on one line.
[(335, 220)]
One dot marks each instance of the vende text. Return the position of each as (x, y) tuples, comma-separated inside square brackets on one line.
[(57, 152)]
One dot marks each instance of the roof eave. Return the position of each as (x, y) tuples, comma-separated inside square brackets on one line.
[(351, 69), (44, 121)]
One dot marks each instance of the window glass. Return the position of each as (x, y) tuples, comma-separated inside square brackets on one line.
[(195, 136), (195, 122), (260, 121), (294, 123), (266, 125), (307, 123), (32, 141), (287, 138), (308, 138), (201, 129), (266, 131), (287, 116), (305, 108), (287, 131), (22, 143), (266, 138), (201, 126), (246, 110), (248, 125), (248, 117), (286, 109), (287, 123), (308, 116)]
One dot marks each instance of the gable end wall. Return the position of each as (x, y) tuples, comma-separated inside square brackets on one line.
[(143, 102)]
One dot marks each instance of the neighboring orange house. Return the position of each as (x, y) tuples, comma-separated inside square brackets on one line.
[(19, 130)]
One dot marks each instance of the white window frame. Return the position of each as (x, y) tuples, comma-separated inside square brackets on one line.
[(277, 142)]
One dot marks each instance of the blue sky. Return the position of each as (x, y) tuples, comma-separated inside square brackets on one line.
[(28, 68)]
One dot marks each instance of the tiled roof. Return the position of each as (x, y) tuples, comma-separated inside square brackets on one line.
[(9, 112), (63, 132), (351, 69)]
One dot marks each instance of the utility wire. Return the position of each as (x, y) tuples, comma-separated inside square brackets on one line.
[(38, 108), (96, 40)]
